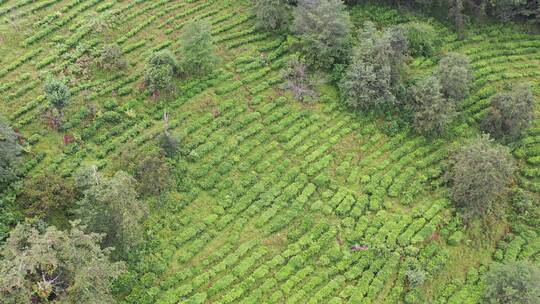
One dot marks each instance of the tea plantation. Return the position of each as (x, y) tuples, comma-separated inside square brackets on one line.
[(273, 200)]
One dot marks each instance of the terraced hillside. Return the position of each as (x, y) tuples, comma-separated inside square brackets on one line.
[(273, 196)]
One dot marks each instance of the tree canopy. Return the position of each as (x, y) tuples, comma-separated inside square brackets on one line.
[(197, 51), (431, 111), (481, 172), (57, 92), (272, 15), (510, 113), (373, 78), (323, 28), (514, 282), (455, 74), (42, 264), (111, 206), (159, 73), (10, 154)]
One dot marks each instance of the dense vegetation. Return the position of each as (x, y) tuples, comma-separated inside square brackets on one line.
[(269, 151)]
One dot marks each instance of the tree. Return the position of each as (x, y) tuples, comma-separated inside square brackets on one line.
[(509, 114), (455, 75), (457, 16), (367, 86), (57, 92), (153, 174), (111, 206), (43, 264), (514, 282), (47, 195), (323, 28), (168, 144), (422, 37), (159, 73), (271, 15), (298, 80), (10, 155), (197, 49), (373, 79), (111, 57), (481, 173), (431, 111)]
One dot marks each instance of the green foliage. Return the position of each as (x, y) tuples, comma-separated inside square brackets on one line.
[(57, 92), (455, 75), (43, 263), (272, 15), (510, 113), (10, 155), (197, 51), (514, 282), (323, 29), (111, 206), (481, 173)]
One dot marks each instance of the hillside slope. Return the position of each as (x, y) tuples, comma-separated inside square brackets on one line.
[(272, 194)]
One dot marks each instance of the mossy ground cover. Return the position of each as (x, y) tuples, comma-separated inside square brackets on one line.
[(272, 194)]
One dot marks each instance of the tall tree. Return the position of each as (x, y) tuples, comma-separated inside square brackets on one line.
[(323, 28), (481, 173), (159, 73), (46, 196), (432, 112), (10, 154), (455, 74), (515, 282), (272, 15), (197, 50), (373, 78), (111, 206), (43, 264), (510, 113), (457, 16)]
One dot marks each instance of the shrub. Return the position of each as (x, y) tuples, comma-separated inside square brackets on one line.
[(169, 144), (298, 80), (57, 92), (111, 58)]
